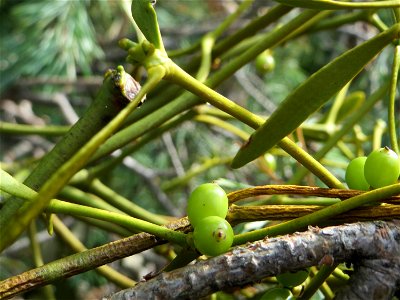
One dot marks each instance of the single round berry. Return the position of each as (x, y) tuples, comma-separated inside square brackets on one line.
[(213, 236), (292, 279), (207, 200), (355, 174), (276, 294), (265, 62), (382, 167)]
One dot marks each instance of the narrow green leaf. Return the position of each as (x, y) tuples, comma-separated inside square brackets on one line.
[(146, 19), (330, 4), (311, 94), (12, 186)]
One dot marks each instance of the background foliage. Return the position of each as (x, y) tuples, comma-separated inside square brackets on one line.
[(53, 48)]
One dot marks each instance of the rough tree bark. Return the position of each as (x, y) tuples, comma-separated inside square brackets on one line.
[(373, 248)]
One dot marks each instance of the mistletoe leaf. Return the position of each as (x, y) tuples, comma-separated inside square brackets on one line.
[(146, 19), (311, 95)]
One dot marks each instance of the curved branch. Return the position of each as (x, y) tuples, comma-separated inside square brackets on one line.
[(299, 190), (239, 214), (361, 242)]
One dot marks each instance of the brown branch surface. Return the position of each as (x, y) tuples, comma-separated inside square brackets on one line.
[(255, 261), (238, 214), (299, 190)]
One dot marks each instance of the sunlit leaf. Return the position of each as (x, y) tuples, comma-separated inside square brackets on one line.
[(311, 95)]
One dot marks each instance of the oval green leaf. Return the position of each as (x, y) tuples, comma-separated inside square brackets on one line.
[(146, 19), (311, 95)]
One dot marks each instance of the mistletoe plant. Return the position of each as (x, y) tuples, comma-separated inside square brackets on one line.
[(175, 95)]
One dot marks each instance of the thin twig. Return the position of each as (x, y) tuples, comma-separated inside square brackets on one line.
[(239, 214), (66, 108), (299, 190), (173, 153)]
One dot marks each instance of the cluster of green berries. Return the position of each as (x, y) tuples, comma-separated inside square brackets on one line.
[(207, 209), (379, 169)]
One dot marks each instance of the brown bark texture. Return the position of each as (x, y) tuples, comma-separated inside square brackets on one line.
[(373, 248)]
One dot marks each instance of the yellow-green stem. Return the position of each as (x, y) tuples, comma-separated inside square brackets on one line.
[(30, 210), (69, 238), (319, 216), (48, 291), (182, 78), (392, 99)]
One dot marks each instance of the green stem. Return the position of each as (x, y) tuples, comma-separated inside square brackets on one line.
[(333, 4), (157, 112), (108, 102), (209, 163), (179, 76), (107, 226), (120, 202), (317, 281), (271, 39), (216, 33), (308, 25), (61, 207), (208, 41), (379, 130), (340, 20), (50, 130), (345, 150), (15, 221), (108, 165), (82, 262), (396, 14), (48, 291), (338, 273), (375, 20), (319, 216), (283, 200), (72, 194), (392, 98), (184, 51), (184, 257), (246, 32), (69, 238), (222, 124), (310, 163), (145, 124), (126, 7), (15, 188), (346, 128), (337, 104), (272, 15)]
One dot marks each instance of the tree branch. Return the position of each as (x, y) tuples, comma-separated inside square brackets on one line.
[(239, 214), (93, 258), (299, 190), (84, 261), (362, 243)]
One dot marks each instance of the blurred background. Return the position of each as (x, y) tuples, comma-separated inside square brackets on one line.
[(53, 55)]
